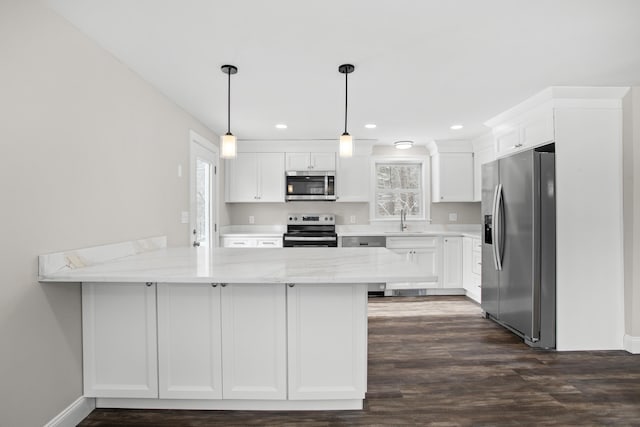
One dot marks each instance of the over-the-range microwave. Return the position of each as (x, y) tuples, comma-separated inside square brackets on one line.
[(310, 185)]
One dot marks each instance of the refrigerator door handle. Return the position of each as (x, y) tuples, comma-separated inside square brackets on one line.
[(497, 226), (493, 226)]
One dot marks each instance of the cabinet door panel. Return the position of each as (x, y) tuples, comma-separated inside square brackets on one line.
[(189, 341), (327, 330), (452, 262), (453, 177), (242, 178), (352, 179), (298, 161), (119, 340), (323, 161), (271, 179), (254, 356)]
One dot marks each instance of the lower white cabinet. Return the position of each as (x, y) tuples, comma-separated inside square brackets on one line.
[(251, 242), (189, 341), (119, 340), (422, 251), (472, 267), (327, 330), (452, 262), (254, 341)]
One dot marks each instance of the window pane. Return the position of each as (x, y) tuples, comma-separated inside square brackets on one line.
[(391, 203), (399, 175)]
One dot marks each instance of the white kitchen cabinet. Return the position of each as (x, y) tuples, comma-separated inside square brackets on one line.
[(327, 352), (119, 340), (452, 177), (189, 341), (472, 267), (254, 341), (528, 130), (252, 242), (483, 152), (452, 262), (255, 178), (311, 161), (352, 179), (422, 251)]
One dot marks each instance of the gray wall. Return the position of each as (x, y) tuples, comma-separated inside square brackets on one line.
[(88, 156), (275, 213), (631, 173)]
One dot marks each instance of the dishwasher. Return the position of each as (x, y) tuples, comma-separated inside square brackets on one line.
[(375, 289)]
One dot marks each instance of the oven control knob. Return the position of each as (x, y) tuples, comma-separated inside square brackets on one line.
[(290, 218), (295, 218), (331, 218), (325, 218)]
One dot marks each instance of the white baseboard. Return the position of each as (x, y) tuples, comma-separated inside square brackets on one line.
[(74, 413), (632, 344)]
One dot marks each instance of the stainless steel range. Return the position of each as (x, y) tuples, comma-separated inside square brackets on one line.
[(310, 230)]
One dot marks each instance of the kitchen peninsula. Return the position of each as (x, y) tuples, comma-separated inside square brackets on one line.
[(198, 328)]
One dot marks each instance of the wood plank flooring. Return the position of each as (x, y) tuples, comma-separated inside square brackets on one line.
[(435, 361)]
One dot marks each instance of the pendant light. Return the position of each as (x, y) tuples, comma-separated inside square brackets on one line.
[(346, 141), (228, 141)]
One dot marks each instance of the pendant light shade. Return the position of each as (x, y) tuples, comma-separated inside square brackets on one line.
[(346, 141), (228, 141), (346, 145)]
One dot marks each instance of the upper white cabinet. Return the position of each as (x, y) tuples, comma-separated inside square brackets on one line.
[(532, 128), (452, 262), (119, 340), (311, 161), (255, 177), (483, 152), (352, 179), (452, 177), (451, 171), (327, 331)]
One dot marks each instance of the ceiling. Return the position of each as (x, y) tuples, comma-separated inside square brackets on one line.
[(420, 65)]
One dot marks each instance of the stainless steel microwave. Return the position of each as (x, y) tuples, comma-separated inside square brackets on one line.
[(310, 185)]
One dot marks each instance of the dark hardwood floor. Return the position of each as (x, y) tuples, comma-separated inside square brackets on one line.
[(436, 361)]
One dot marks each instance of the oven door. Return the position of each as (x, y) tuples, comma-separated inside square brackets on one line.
[(293, 241), (307, 186)]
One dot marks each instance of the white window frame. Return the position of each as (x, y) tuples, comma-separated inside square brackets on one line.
[(426, 187)]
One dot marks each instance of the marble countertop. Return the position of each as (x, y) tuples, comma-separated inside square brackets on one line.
[(232, 265), (472, 230)]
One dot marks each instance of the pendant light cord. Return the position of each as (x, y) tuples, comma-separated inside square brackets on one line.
[(229, 103), (346, 97)]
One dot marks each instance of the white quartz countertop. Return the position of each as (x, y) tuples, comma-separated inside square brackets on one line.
[(247, 265)]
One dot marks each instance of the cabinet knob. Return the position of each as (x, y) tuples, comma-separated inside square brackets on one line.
[(291, 285), (149, 283), (214, 285), (224, 285)]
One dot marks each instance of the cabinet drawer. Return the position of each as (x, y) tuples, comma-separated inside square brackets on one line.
[(269, 242), (238, 242), (476, 262), (412, 242)]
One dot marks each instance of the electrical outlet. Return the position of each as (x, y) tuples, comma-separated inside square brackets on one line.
[(252, 219), (184, 217), (352, 219), (179, 171), (453, 217)]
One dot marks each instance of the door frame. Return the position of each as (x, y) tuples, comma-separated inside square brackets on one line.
[(199, 142)]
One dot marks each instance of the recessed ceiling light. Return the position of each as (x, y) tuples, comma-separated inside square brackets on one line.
[(403, 145), (281, 126), (456, 127), (370, 126)]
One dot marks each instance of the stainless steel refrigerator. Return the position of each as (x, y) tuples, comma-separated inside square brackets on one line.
[(519, 244)]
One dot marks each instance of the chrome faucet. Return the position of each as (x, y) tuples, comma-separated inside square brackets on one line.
[(403, 220)]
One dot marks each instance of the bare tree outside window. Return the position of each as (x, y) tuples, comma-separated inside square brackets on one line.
[(398, 187)]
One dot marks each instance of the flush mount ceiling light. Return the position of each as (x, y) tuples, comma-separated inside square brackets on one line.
[(346, 142), (228, 141), (281, 126), (456, 127), (370, 126), (403, 145)]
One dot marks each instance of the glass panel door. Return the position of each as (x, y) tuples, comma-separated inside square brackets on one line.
[(203, 227)]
